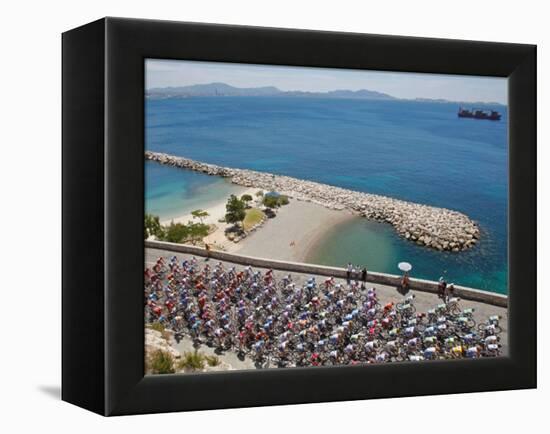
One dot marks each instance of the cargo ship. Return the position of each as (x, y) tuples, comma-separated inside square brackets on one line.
[(490, 115)]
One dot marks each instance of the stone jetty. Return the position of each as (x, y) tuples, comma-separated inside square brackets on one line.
[(436, 228)]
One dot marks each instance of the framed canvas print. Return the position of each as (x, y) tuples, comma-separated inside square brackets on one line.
[(258, 216)]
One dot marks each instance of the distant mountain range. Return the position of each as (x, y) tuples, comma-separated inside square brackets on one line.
[(464, 103), (223, 89)]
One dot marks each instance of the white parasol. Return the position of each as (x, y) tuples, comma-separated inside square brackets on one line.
[(404, 266)]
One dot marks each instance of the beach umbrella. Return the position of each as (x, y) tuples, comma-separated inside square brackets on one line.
[(404, 266)]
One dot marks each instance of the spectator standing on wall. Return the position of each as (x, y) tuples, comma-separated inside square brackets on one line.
[(449, 292), (348, 272), (441, 288), (405, 283)]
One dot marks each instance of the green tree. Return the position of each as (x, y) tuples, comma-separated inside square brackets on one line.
[(197, 231), (199, 214), (283, 200), (271, 201), (246, 198), (176, 233), (235, 210), (153, 226)]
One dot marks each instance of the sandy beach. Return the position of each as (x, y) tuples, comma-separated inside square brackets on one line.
[(216, 211), (290, 235), (429, 226), (217, 239)]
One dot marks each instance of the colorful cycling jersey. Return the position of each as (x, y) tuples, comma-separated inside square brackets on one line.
[(254, 310), (258, 345), (457, 350), (472, 352), (491, 339), (381, 357), (430, 352), (412, 342)]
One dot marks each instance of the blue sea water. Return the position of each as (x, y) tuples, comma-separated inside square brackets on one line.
[(417, 151), (171, 192)]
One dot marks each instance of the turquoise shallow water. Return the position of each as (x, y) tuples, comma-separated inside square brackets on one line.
[(416, 151), (171, 192), (377, 246)]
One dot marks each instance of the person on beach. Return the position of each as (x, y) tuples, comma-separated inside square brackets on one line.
[(405, 283)]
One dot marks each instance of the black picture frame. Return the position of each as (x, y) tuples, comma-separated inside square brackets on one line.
[(103, 178)]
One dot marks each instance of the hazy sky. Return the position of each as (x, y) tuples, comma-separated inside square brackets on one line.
[(163, 73)]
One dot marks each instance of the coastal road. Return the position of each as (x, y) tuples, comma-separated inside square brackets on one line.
[(423, 300)]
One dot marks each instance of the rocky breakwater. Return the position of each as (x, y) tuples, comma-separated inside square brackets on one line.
[(436, 228)]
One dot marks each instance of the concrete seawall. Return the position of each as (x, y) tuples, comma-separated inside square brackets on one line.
[(429, 226), (373, 277)]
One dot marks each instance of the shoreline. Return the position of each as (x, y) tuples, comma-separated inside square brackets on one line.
[(290, 235), (320, 238), (216, 212), (432, 227), (296, 229)]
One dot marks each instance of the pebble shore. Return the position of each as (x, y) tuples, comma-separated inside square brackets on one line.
[(436, 228)]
